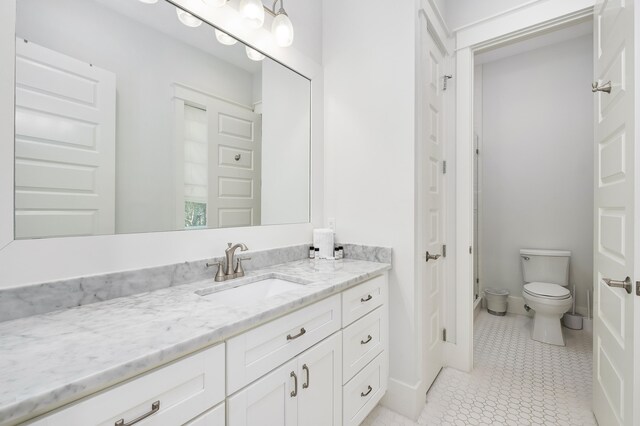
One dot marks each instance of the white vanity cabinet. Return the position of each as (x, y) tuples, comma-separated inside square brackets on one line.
[(174, 394), (306, 391), (335, 381), (325, 364)]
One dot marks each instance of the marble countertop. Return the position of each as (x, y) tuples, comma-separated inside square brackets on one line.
[(49, 360)]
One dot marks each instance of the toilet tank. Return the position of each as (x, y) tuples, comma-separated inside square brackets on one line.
[(547, 266)]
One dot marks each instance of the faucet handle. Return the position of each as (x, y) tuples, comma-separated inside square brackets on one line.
[(229, 245), (219, 276), (239, 270)]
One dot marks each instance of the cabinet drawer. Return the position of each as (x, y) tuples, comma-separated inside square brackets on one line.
[(364, 391), (184, 389), (258, 351), (214, 417), (362, 341), (362, 299)]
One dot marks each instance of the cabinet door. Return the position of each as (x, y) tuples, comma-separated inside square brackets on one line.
[(320, 391), (272, 400)]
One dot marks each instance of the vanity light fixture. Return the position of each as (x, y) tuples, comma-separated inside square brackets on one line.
[(188, 19), (281, 28), (225, 38), (216, 3), (253, 54), (253, 12), (149, 1)]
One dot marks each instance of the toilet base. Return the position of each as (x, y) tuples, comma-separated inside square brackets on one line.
[(547, 329), (546, 318)]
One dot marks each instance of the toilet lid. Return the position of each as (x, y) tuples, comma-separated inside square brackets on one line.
[(548, 290)]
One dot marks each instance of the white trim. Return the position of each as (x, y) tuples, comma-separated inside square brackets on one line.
[(535, 16), (191, 95), (464, 212), (539, 17), (494, 16), (404, 398), (437, 26), (32, 261), (7, 132), (440, 18)]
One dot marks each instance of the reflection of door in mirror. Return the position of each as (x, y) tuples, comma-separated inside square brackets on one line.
[(65, 145), (219, 153)]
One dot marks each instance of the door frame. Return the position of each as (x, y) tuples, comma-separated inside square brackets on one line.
[(531, 19)]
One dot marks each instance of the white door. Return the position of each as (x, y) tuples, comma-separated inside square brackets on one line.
[(320, 372), (229, 179), (272, 400), (614, 366), (65, 145), (432, 205), (234, 165)]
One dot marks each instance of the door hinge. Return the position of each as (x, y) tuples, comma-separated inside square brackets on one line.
[(444, 167), (637, 288), (444, 334), (444, 250), (470, 250), (477, 151), (445, 80), (477, 280)]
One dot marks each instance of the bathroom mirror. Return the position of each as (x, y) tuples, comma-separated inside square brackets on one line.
[(135, 116)]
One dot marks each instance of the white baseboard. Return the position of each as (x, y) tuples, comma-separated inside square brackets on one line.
[(404, 398), (477, 307)]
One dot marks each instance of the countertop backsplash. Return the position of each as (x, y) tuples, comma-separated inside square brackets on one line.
[(35, 299)]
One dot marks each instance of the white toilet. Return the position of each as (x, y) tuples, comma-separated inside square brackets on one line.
[(546, 276)]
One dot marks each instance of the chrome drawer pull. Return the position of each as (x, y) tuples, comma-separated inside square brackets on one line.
[(369, 297), (364, 342), (302, 331), (155, 407), (363, 394), (306, 384), (294, 392)]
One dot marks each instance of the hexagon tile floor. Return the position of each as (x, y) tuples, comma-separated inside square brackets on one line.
[(516, 381)]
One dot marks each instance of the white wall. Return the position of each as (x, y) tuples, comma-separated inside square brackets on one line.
[(537, 162), (145, 72), (369, 59), (59, 258), (285, 145)]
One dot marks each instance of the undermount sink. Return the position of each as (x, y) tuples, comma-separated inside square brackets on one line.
[(247, 294)]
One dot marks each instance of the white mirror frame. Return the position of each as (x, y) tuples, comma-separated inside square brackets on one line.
[(40, 260)]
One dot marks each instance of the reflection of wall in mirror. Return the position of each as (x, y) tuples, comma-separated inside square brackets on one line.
[(146, 63), (285, 145)]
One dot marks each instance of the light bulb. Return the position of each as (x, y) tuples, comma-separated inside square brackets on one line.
[(253, 12), (282, 29), (225, 38), (149, 1), (253, 54), (188, 19)]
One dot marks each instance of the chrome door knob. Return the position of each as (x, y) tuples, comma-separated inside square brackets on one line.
[(597, 87), (432, 256), (626, 284)]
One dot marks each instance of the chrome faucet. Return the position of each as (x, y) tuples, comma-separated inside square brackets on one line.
[(228, 271)]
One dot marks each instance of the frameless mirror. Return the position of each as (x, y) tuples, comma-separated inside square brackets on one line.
[(134, 116)]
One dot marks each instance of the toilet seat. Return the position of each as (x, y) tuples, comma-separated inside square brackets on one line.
[(547, 291)]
